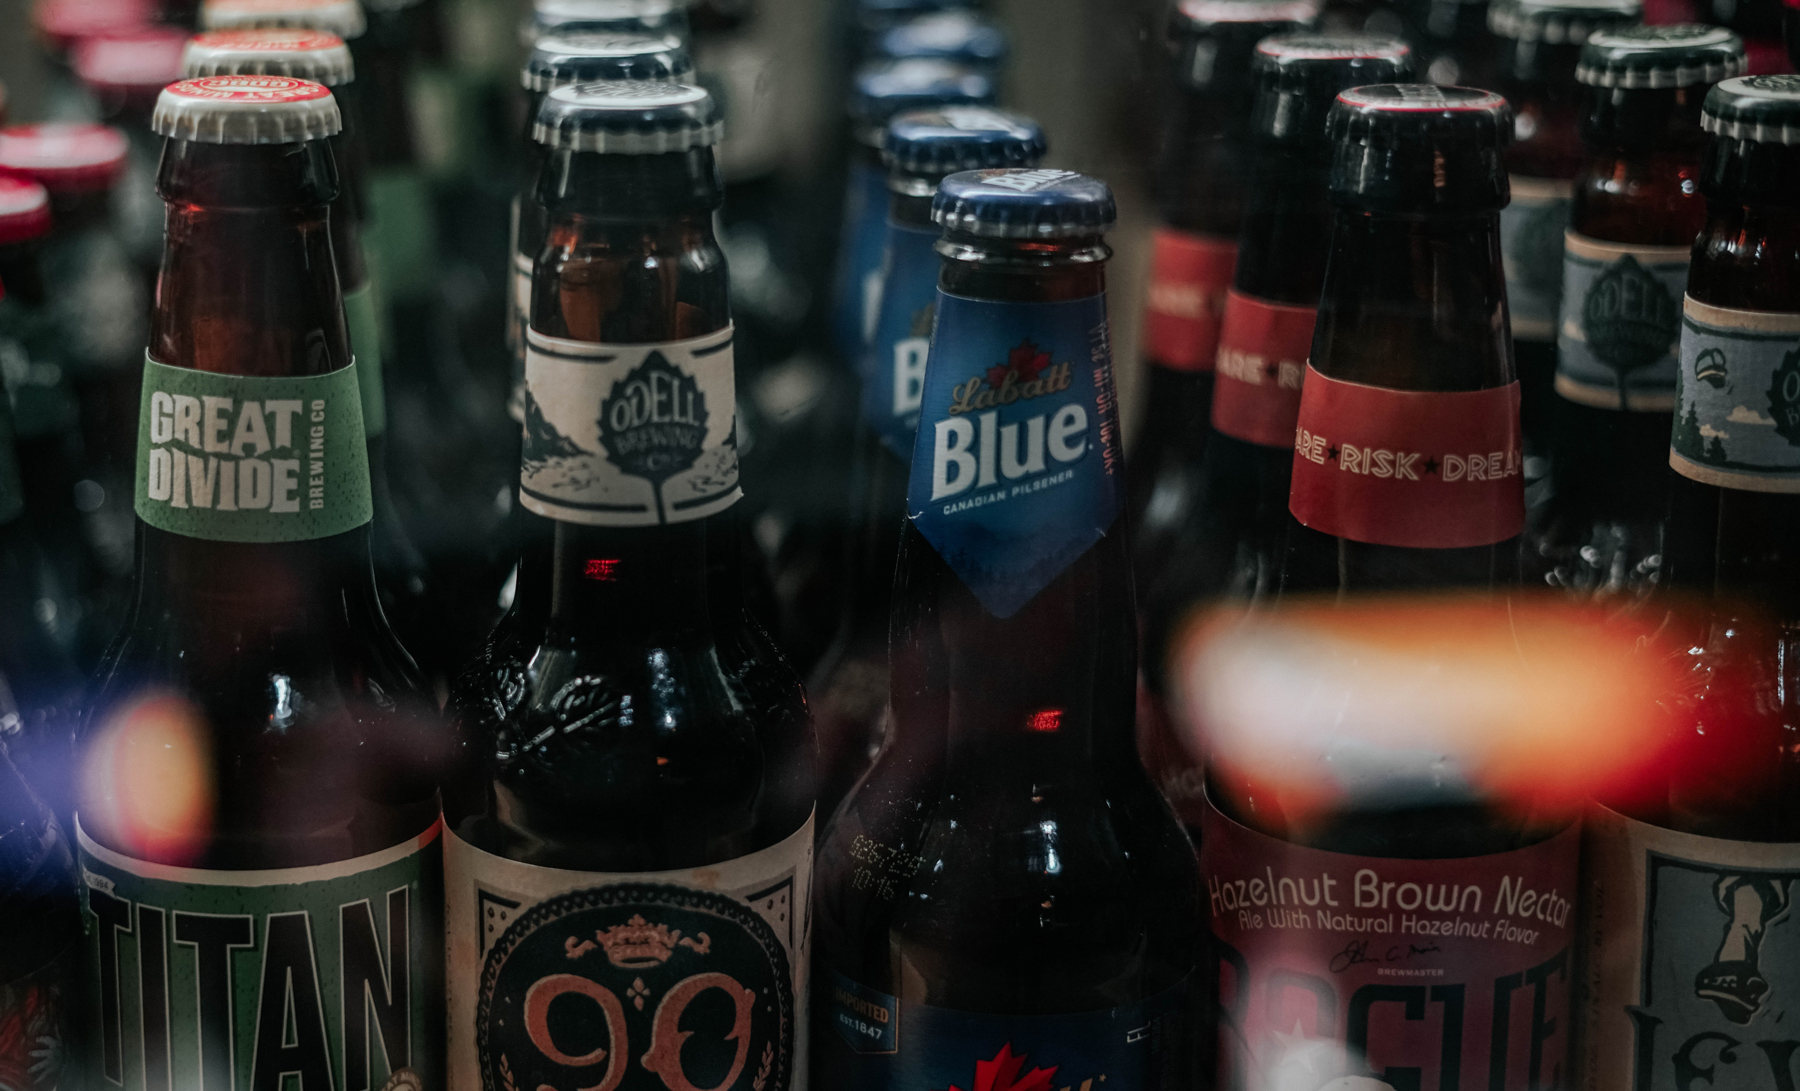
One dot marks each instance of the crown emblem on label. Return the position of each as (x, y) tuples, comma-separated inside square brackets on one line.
[(637, 944)]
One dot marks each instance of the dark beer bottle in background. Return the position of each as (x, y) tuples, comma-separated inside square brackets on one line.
[(632, 822), (849, 688), (1228, 544), (259, 769), (41, 991), (1636, 210), (1406, 466), (1689, 888), (1004, 895), (1539, 43), (1450, 39), (1199, 183)]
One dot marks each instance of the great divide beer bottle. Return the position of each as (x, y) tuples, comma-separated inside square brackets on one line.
[(1406, 452), (1635, 213), (40, 948), (632, 827), (1539, 44), (1004, 900), (257, 813), (1228, 544), (559, 60), (1200, 184), (850, 686), (1689, 922)]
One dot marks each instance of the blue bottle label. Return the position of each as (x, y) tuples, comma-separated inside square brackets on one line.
[(877, 1042), (1016, 469), (859, 271), (894, 366)]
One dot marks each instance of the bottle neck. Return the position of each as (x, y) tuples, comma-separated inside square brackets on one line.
[(1287, 222)]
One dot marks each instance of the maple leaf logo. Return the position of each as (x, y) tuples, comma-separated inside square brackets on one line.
[(1026, 360), (1002, 1073)]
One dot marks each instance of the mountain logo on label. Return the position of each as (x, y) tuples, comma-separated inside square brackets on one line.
[(1629, 318), (542, 441), (653, 422), (1784, 397)]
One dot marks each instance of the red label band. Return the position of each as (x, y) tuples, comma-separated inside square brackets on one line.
[(1263, 349), (1426, 470), (1189, 276), (1459, 971)]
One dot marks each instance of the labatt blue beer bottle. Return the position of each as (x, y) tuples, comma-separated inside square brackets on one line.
[(1004, 900), (631, 824), (1690, 888), (849, 687), (256, 816)]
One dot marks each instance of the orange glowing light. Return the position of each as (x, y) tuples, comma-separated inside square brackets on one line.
[(1049, 719), (147, 781)]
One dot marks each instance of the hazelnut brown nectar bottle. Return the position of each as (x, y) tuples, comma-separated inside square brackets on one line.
[(256, 819), (1635, 212), (631, 829), (1693, 940), (1004, 900)]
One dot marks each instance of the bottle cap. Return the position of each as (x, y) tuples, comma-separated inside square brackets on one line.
[(959, 138), (874, 16), (343, 18), (657, 17), (1663, 56), (246, 110), (24, 210), (585, 56), (636, 117), (315, 55), (139, 62), (64, 156), (950, 35), (1212, 39), (1560, 22), (1298, 76), (1419, 148), (1763, 109), (884, 88), (63, 22), (1023, 204)]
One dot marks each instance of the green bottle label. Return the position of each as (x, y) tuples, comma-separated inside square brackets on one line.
[(364, 322), (1737, 420), (399, 236), (12, 490), (314, 977), (239, 458)]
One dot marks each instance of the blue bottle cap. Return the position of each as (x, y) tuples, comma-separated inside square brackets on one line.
[(637, 117), (558, 60), (959, 138), (951, 35), (1023, 204), (884, 88)]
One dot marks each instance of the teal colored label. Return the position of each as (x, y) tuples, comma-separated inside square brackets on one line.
[(280, 980), (239, 458), (1621, 323), (364, 322), (1737, 423), (1531, 248), (894, 366), (12, 490), (399, 236)]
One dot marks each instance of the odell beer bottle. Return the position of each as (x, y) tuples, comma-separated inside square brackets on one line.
[(1689, 910), (1228, 544), (1200, 183), (1636, 211), (1406, 466), (558, 61), (257, 816), (632, 829), (850, 686), (1004, 900), (41, 997), (1540, 42)]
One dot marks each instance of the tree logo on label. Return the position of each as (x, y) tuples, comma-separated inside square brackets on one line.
[(637, 986), (653, 422), (1784, 398), (1629, 317)]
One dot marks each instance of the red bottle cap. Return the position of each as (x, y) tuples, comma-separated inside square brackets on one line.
[(24, 210), (64, 156), (62, 22)]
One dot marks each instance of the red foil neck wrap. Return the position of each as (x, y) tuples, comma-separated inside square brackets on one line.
[(1189, 277), (24, 210), (1263, 349), (1418, 469)]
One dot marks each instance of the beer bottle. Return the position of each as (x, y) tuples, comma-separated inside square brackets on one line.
[(850, 686), (870, 19), (1004, 898), (631, 827), (659, 18), (1199, 191), (961, 37), (258, 806), (1689, 890), (1406, 468), (558, 61), (1633, 220), (1539, 44), (1229, 543), (341, 17), (40, 975)]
